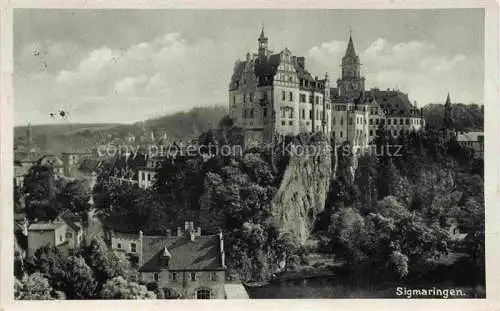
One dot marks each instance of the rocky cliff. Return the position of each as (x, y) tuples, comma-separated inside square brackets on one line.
[(303, 190)]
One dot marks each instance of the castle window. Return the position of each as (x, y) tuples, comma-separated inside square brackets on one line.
[(317, 100), (291, 113), (310, 99), (388, 121), (290, 96), (371, 132), (133, 247), (290, 79), (156, 276), (251, 97), (401, 121), (173, 276), (303, 114), (251, 113), (328, 106), (264, 112), (302, 98), (333, 133), (119, 246), (341, 134), (283, 123), (244, 113), (407, 121), (376, 121), (283, 113), (341, 123), (350, 121), (401, 132), (310, 114), (382, 121), (395, 133), (283, 95), (193, 276), (290, 123), (333, 121), (69, 235)]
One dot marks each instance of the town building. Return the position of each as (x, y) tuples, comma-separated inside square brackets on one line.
[(182, 264), (72, 161), (473, 141), (65, 232), (146, 175), (53, 161), (273, 94)]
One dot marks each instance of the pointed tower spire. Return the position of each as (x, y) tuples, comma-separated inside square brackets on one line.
[(262, 43), (448, 100), (262, 35), (350, 52)]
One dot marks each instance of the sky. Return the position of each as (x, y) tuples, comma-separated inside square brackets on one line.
[(107, 66)]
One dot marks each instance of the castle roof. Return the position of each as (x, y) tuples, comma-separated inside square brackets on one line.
[(395, 103), (448, 100)]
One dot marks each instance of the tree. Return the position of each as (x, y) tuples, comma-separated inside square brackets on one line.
[(41, 188), (33, 287), (75, 196), (119, 288), (105, 264), (79, 281)]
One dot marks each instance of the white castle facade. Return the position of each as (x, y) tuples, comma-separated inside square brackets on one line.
[(273, 94)]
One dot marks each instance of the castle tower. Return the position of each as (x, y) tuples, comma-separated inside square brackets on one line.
[(262, 44), (448, 121), (29, 134), (351, 84)]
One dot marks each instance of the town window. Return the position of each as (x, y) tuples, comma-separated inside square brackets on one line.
[(376, 121), (395, 133), (333, 133), (341, 122), (283, 113), (310, 114), (290, 123), (341, 134), (173, 276), (310, 99), (303, 114), (388, 121), (143, 176), (193, 276), (283, 95), (283, 123), (371, 132), (60, 238), (203, 294), (407, 121), (401, 121), (213, 276), (264, 112), (69, 235), (350, 121), (328, 106), (133, 247), (302, 98), (118, 245), (317, 100), (291, 113), (156, 276), (290, 96)]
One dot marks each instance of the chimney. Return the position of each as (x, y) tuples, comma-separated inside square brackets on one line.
[(221, 247), (140, 247)]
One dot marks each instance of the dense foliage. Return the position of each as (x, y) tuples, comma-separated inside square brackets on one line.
[(464, 117)]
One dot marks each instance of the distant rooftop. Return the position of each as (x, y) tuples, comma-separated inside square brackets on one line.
[(470, 136)]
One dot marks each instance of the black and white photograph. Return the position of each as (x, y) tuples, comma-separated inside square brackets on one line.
[(248, 154)]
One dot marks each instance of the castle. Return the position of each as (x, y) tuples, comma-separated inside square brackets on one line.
[(273, 94)]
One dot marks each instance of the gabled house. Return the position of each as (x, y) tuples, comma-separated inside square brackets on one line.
[(185, 264)]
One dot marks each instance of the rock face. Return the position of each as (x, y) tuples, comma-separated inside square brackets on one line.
[(303, 191)]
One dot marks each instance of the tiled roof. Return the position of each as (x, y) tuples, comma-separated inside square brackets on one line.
[(44, 226), (397, 104), (201, 254), (470, 136)]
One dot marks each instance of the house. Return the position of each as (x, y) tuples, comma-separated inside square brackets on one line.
[(19, 173), (185, 264), (473, 141), (65, 232)]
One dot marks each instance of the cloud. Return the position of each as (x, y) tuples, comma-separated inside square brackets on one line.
[(166, 74), (416, 67)]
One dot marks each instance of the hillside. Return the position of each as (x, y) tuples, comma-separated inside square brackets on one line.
[(57, 138), (465, 117)]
